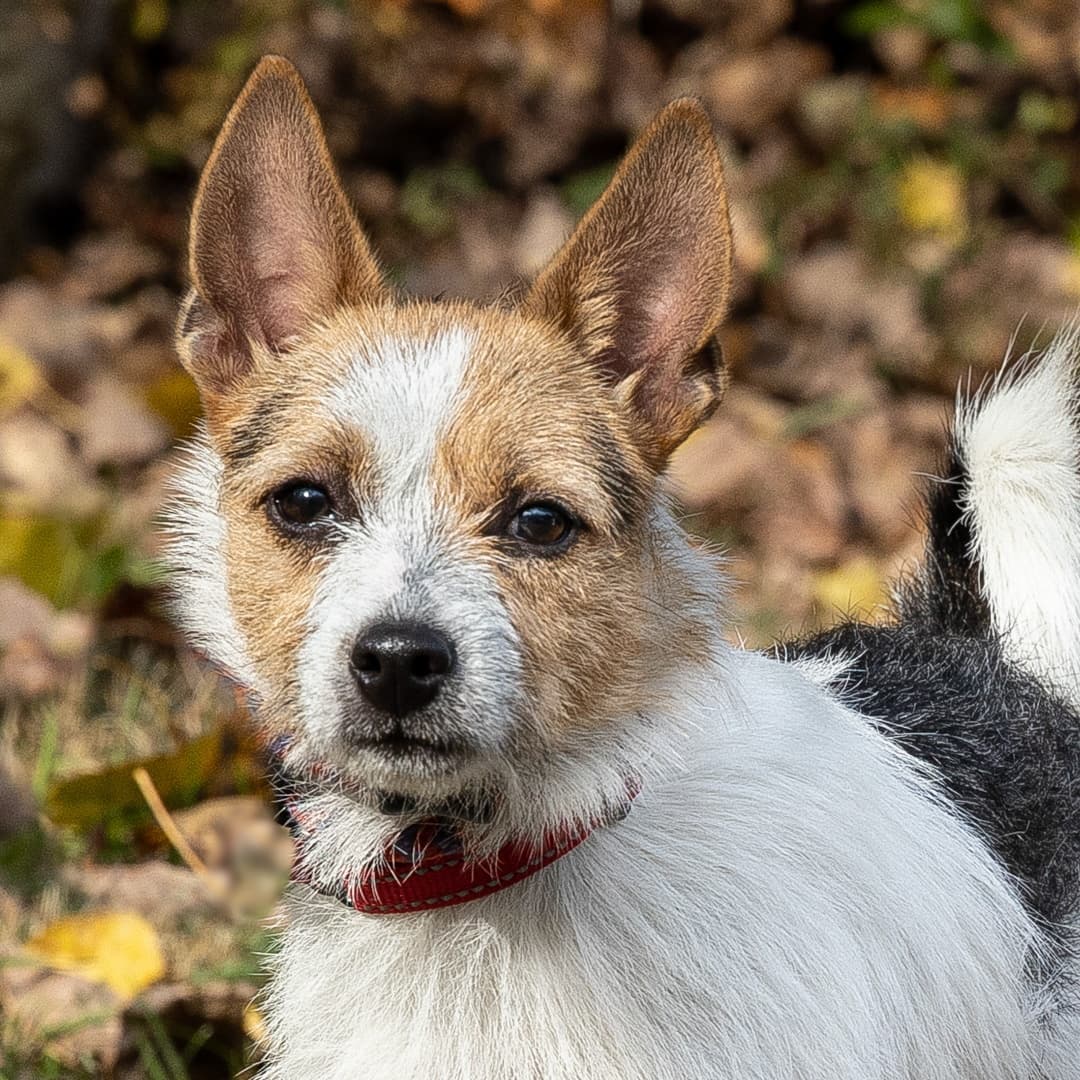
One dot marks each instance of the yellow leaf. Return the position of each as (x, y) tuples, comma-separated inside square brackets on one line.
[(118, 948), (149, 19), (1070, 275), (253, 1024), (175, 398), (81, 801), (930, 197), (43, 552), (20, 378), (854, 587)]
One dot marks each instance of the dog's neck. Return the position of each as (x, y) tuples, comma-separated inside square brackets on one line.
[(346, 839), (427, 865)]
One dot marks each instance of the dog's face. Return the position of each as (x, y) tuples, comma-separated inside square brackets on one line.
[(436, 526)]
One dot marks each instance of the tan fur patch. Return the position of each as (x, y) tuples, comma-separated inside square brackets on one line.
[(643, 283), (274, 244), (537, 422)]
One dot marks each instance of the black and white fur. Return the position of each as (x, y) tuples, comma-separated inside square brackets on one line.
[(978, 673)]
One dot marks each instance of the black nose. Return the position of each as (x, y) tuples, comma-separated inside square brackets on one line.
[(400, 667)]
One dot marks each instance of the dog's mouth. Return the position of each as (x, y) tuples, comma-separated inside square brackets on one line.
[(410, 770), (399, 774), (475, 807), (402, 770), (408, 748)]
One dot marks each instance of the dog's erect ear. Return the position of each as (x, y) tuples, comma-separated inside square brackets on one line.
[(643, 283), (274, 245)]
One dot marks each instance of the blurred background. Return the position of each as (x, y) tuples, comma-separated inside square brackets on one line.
[(906, 193)]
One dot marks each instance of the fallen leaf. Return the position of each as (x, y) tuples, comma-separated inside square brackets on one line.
[(855, 587), (149, 19), (926, 107), (110, 263), (546, 224), (70, 1018), (930, 196), (839, 288), (82, 801), (43, 552), (116, 427), (1070, 275), (747, 91), (175, 398), (468, 9), (18, 802), (158, 891), (65, 337), (41, 473), (119, 949), (20, 378), (27, 614)]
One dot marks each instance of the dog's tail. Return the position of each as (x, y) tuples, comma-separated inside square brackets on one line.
[(1003, 554)]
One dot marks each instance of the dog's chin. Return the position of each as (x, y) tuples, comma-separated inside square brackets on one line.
[(402, 773)]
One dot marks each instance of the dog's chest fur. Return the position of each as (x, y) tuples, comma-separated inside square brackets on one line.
[(710, 934)]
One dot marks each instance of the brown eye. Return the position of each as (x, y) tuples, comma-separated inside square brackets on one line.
[(302, 504), (541, 525)]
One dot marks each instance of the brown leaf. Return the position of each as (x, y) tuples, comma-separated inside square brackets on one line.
[(116, 428), (158, 891), (63, 336), (836, 287), (748, 91)]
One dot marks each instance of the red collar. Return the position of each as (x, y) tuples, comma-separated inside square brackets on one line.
[(425, 867)]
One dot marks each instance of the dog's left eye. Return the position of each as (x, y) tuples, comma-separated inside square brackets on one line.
[(301, 504), (541, 525)]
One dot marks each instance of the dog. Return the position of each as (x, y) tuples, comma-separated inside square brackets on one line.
[(549, 823)]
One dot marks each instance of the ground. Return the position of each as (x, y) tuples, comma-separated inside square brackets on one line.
[(906, 198)]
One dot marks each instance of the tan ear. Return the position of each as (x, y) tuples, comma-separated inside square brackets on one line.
[(274, 245), (643, 283)]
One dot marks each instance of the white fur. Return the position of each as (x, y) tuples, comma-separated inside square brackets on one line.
[(401, 393), (1021, 446), (195, 531), (826, 670), (788, 898)]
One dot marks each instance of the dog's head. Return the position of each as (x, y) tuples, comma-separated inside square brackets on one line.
[(429, 535)]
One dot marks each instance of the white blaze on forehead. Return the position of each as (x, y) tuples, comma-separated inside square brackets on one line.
[(394, 562), (401, 393)]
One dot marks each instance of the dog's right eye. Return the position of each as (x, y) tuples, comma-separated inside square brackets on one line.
[(301, 504)]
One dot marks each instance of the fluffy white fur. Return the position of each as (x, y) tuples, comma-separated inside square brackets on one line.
[(195, 532), (1021, 446), (401, 394), (788, 898)]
